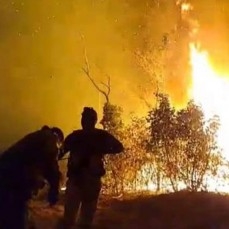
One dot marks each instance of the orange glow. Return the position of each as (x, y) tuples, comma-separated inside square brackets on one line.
[(186, 7), (210, 89)]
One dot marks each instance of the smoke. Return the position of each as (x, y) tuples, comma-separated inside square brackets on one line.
[(42, 55)]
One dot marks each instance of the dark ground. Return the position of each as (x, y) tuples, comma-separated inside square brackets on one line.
[(168, 211)]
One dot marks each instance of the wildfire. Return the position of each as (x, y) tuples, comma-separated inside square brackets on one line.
[(211, 90)]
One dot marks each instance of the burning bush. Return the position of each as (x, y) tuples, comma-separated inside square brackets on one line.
[(168, 150)]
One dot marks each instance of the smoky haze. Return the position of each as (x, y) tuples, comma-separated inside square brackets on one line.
[(42, 54)]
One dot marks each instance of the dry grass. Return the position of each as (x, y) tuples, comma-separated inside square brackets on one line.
[(168, 211)]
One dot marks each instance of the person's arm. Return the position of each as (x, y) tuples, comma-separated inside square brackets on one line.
[(51, 171), (66, 146), (114, 146), (52, 175)]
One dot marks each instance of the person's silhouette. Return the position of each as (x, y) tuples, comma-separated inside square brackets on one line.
[(87, 147), (22, 168)]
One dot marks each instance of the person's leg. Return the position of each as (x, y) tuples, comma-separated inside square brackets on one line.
[(88, 209), (13, 210), (4, 209), (72, 203), (89, 203)]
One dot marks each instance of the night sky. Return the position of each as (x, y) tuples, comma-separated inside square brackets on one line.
[(42, 55)]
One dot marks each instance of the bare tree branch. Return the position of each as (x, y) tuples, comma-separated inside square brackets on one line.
[(108, 85), (87, 71)]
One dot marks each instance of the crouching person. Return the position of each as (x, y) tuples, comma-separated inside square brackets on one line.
[(87, 148), (21, 168)]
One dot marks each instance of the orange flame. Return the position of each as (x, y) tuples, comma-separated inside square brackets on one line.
[(210, 89)]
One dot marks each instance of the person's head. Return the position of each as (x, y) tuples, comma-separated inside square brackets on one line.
[(58, 133), (45, 127), (89, 118)]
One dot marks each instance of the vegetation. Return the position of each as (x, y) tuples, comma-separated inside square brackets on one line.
[(171, 149)]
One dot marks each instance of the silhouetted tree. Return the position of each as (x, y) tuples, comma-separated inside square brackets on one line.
[(199, 153), (112, 122), (162, 121), (184, 145)]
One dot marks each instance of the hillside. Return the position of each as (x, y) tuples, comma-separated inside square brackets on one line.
[(168, 211)]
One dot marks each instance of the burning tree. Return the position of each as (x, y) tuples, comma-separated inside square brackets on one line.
[(137, 165), (112, 122), (162, 140), (199, 151), (184, 145)]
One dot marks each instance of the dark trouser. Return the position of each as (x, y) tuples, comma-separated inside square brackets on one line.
[(13, 209), (81, 195)]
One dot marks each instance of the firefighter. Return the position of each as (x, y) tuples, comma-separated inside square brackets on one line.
[(87, 147), (21, 168)]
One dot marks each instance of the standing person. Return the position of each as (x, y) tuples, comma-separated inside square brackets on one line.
[(21, 169), (87, 147)]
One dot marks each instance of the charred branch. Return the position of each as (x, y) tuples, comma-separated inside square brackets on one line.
[(107, 85)]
